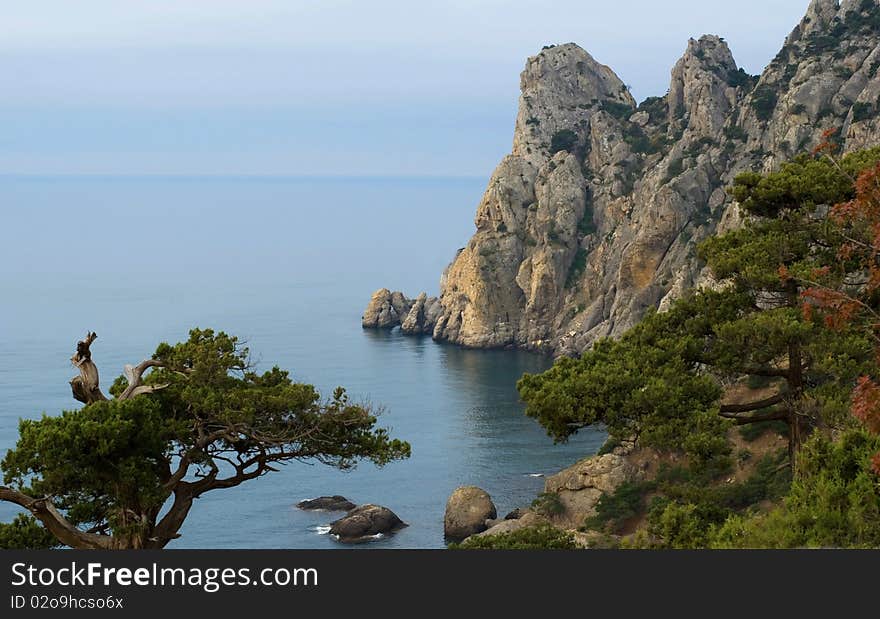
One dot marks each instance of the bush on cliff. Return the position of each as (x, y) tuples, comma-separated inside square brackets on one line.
[(544, 537)]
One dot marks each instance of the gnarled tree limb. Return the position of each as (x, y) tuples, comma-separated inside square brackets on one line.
[(753, 406), (58, 525), (86, 386)]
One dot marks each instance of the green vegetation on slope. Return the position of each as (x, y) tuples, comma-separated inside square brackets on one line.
[(663, 382)]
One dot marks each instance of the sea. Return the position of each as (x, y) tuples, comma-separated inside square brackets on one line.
[(288, 265)]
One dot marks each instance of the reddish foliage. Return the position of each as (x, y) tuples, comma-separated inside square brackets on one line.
[(866, 403), (839, 309), (840, 304), (827, 145)]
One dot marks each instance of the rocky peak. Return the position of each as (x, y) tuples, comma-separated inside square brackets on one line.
[(592, 220), (703, 86), (562, 87), (819, 16)]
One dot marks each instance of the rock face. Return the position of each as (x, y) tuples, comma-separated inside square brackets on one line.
[(467, 511), (387, 310), (594, 216), (334, 503), (422, 316), (528, 519), (365, 521), (580, 486)]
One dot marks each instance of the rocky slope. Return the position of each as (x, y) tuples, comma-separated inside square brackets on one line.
[(593, 217)]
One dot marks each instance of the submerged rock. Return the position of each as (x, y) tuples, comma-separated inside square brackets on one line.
[(467, 511), (334, 503), (365, 521)]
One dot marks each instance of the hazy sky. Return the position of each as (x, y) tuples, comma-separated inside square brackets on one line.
[(324, 87)]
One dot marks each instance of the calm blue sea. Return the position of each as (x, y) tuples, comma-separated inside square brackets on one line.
[(289, 265)]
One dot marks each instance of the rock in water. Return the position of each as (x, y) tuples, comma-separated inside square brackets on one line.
[(364, 522), (422, 316), (384, 310), (334, 503), (467, 511)]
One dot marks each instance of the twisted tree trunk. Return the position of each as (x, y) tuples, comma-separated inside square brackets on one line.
[(86, 387)]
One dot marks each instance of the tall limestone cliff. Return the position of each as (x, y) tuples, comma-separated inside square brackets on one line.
[(594, 216)]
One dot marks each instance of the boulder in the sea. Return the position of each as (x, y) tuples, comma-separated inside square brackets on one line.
[(386, 310), (467, 511), (334, 503), (422, 316), (365, 521)]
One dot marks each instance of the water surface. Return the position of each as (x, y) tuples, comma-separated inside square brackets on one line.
[(287, 264)]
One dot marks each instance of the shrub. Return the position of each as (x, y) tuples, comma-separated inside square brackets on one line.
[(25, 533), (564, 139), (609, 446), (735, 132), (544, 537), (689, 508), (834, 502), (862, 111), (637, 139), (577, 267), (548, 504), (586, 225), (656, 108), (740, 78), (613, 510), (675, 167), (764, 100), (620, 111)]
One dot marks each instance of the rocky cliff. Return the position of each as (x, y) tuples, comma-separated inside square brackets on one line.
[(594, 216)]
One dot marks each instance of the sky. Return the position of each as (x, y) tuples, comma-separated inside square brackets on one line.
[(318, 88)]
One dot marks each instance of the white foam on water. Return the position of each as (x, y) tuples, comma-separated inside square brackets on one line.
[(535, 475), (321, 529)]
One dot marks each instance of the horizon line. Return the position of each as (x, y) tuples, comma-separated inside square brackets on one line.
[(235, 176)]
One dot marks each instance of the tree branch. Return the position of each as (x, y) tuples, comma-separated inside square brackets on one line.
[(168, 527), (57, 525), (770, 415), (753, 406), (135, 377), (769, 372), (85, 387)]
